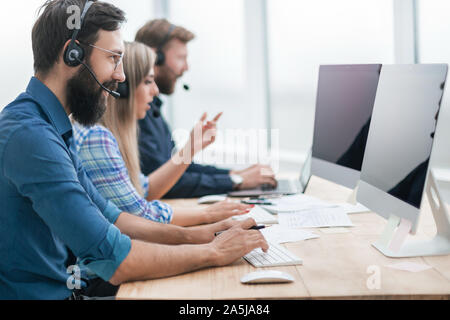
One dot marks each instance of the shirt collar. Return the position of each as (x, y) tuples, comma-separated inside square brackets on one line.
[(51, 106)]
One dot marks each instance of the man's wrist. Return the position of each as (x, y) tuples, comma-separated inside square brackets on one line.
[(212, 255), (189, 236), (200, 234), (237, 181)]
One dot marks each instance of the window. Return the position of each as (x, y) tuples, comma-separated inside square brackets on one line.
[(433, 28), (306, 34), (138, 12), (217, 74), (220, 79)]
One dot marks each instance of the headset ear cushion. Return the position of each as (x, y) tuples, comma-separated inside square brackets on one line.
[(160, 58), (123, 89), (73, 55)]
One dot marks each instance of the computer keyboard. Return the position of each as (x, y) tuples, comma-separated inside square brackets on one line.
[(276, 256), (259, 215)]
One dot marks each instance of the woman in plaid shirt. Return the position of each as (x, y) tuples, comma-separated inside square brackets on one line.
[(109, 152)]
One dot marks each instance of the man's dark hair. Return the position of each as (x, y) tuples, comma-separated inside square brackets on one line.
[(154, 33), (51, 31)]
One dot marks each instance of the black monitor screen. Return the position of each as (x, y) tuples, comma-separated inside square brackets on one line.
[(345, 100)]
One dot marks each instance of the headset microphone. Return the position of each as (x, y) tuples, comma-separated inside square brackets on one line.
[(185, 86), (114, 94)]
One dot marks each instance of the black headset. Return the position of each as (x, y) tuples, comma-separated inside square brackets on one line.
[(124, 88), (74, 54), (160, 55)]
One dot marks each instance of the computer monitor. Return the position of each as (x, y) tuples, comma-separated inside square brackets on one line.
[(400, 141), (345, 100), (305, 175)]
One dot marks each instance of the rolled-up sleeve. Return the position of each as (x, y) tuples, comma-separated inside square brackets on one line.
[(111, 212), (46, 175), (116, 247)]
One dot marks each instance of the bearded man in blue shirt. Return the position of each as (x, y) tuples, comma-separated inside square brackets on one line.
[(51, 215)]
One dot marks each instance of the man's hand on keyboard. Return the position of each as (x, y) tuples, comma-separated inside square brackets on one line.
[(236, 242), (206, 233), (255, 176)]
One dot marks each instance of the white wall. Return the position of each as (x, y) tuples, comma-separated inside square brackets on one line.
[(306, 34), (16, 57), (138, 12)]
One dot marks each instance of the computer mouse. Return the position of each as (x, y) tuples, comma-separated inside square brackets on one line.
[(212, 199), (267, 276)]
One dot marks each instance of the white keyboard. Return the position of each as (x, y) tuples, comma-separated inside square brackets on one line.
[(259, 215), (276, 256)]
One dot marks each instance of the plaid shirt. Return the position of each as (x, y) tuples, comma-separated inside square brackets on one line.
[(101, 158)]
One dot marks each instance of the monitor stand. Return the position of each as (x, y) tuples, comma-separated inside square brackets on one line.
[(352, 199), (439, 245), (357, 207)]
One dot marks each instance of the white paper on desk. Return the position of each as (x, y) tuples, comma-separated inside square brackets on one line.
[(351, 208), (259, 215), (334, 230), (297, 199), (317, 218), (296, 203), (279, 234)]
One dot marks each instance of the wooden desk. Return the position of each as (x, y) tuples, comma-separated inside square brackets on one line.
[(335, 266)]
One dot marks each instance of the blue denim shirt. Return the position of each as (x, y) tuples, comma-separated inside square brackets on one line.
[(50, 213)]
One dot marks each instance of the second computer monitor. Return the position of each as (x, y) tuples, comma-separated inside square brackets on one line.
[(345, 100), (401, 138)]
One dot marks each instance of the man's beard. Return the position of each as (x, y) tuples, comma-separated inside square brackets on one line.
[(85, 98), (165, 80)]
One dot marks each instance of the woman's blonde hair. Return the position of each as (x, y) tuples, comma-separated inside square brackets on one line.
[(120, 116)]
